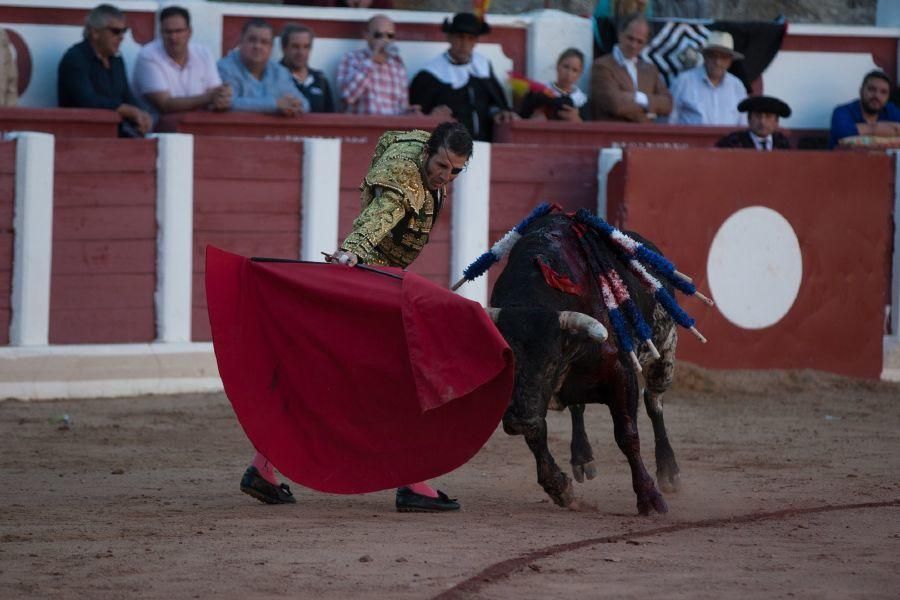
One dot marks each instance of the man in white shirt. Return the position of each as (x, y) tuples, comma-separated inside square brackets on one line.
[(173, 74), (624, 87), (709, 94)]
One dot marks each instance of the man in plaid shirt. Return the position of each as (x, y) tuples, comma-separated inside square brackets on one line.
[(373, 80)]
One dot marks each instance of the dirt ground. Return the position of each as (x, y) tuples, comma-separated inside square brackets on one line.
[(790, 489)]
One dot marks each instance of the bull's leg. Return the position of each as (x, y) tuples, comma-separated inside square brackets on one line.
[(658, 377), (556, 483), (582, 454), (623, 409)]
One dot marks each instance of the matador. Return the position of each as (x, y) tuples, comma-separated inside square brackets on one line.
[(401, 196)]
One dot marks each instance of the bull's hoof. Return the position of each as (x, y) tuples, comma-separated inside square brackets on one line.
[(652, 502), (669, 483), (587, 470), (566, 497)]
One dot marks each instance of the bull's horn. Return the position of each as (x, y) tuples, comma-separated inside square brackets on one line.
[(493, 313), (576, 321)]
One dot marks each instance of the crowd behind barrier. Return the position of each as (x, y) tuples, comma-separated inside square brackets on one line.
[(177, 38)]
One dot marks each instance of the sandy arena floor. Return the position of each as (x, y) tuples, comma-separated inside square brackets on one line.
[(791, 489)]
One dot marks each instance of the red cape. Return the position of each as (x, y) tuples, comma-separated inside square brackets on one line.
[(350, 381)]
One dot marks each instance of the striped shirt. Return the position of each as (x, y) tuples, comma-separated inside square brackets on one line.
[(370, 88)]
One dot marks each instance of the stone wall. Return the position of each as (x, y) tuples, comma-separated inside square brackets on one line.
[(838, 12)]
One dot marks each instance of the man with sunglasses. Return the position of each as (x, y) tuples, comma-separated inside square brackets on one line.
[(92, 73), (373, 80), (402, 196)]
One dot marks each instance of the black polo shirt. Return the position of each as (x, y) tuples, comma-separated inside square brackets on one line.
[(83, 81)]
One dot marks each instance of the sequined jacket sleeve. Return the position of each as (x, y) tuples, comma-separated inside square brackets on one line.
[(374, 223)]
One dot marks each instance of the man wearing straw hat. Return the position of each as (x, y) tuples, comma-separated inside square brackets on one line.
[(709, 94)]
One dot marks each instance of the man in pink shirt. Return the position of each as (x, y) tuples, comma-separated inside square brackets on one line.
[(373, 80), (173, 74)]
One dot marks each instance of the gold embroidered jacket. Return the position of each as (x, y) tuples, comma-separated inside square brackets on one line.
[(398, 212)]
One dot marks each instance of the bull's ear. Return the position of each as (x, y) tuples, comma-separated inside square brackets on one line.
[(580, 323)]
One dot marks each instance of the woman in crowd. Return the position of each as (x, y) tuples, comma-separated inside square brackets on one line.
[(561, 99)]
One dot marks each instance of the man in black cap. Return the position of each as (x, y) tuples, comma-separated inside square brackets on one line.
[(460, 83), (763, 113)]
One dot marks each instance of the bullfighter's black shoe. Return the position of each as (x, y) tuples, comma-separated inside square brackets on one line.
[(252, 483), (409, 501)]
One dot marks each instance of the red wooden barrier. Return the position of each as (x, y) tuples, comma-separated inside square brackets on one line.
[(7, 202), (838, 204), (247, 200), (61, 122), (104, 241), (612, 134), (523, 176)]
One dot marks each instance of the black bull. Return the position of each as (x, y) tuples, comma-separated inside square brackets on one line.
[(556, 368)]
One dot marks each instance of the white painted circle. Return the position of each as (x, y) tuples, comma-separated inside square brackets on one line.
[(755, 267)]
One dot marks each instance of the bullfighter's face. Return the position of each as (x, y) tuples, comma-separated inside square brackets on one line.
[(442, 168)]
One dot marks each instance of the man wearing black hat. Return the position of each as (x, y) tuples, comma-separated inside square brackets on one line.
[(461, 83), (762, 116)]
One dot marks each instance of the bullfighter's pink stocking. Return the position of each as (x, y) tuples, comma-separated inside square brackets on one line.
[(265, 468), (423, 489)]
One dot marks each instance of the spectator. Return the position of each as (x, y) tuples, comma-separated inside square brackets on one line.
[(709, 94), (296, 46), (174, 74), (607, 14), (92, 73), (567, 101), (260, 85), (373, 80), (9, 72), (460, 83), (762, 115), (871, 115), (624, 87)]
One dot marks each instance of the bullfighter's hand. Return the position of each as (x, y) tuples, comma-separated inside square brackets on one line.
[(344, 257)]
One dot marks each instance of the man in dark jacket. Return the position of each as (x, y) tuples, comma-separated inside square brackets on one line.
[(763, 114), (460, 83), (92, 73)]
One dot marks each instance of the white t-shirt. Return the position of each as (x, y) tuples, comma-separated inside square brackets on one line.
[(155, 71)]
